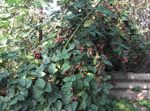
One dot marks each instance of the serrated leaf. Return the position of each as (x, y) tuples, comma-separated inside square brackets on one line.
[(31, 66), (48, 88), (53, 109), (40, 71), (105, 61), (70, 79), (61, 55), (22, 82), (37, 93), (104, 10), (58, 105), (79, 84), (52, 68), (24, 93), (40, 83), (65, 67), (67, 98), (71, 47), (52, 99), (67, 86), (3, 74), (94, 107), (28, 83), (13, 101), (85, 83), (41, 68), (46, 60), (83, 105), (74, 106)]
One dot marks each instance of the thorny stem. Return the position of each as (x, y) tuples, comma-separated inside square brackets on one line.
[(71, 37)]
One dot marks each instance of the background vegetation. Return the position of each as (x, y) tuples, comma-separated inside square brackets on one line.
[(62, 60)]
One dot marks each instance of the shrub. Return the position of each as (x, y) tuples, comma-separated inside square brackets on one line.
[(65, 66)]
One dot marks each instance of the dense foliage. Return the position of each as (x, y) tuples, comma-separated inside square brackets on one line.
[(139, 11), (124, 105), (145, 103), (61, 61)]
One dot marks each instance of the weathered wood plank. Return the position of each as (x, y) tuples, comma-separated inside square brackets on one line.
[(131, 85), (144, 94), (131, 76)]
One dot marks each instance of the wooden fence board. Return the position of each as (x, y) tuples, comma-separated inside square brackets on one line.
[(144, 94), (131, 85), (124, 83), (131, 76)]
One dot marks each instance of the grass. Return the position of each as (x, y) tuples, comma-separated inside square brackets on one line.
[(123, 105), (145, 103)]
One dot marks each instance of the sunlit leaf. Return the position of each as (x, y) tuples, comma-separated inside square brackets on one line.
[(40, 83)]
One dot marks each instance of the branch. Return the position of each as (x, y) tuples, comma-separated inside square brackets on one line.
[(71, 37)]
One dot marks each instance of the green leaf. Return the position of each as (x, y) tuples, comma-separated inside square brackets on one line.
[(53, 109), (65, 67), (24, 92), (52, 98), (52, 68), (67, 98), (52, 35), (94, 107), (104, 10), (48, 88), (74, 106), (110, 1), (61, 55), (67, 86), (28, 83), (4, 24), (88, 23), (106, 62), (70, 16), (22, 67), (3, 74), (38, 93), (41, 68), (70, 79), (40, 71), (13, 1), (79, 84), (85, 83), (22, 82), (83, 104), (40, 83), (71, 47), (58, 105), (107, 85), (5, 16), (31, 66), (46, 60), (106, 77), (103, 100), (13, 101)]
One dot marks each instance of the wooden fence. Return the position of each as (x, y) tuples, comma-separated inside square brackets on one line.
[(131, 85)]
